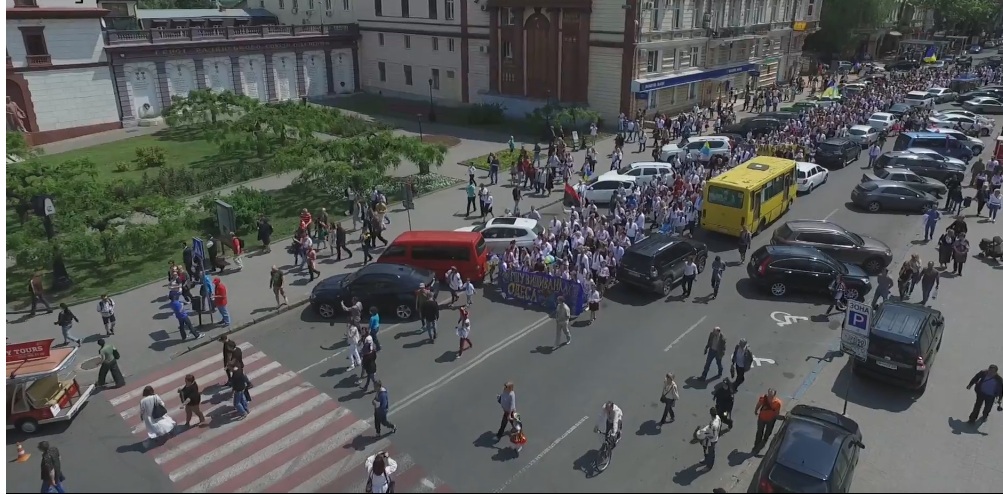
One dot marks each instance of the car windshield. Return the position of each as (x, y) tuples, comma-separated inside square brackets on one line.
[(881, 173), (725, 197), (858, 132), (856, 238), (347, 280), (827, 146), (479, 228), (537, 229)]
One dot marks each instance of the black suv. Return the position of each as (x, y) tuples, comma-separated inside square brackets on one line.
[(903, 343), (656, 263), (921, 164), (870, 253), (815, 450), (388, 287), (837, 152), (784, 269)]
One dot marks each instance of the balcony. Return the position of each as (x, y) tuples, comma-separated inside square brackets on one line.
[(233, 33), (38, 60)]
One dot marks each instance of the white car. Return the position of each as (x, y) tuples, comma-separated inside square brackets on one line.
[(719, 145), (941, 122), (881, 120), (962, 122), (944, 113), (645, 171), (974, 143), (936, 156), (810, 176), (855, 87), (942, 94), (499, 233), (602, 188), (863, 135), (919, 98)]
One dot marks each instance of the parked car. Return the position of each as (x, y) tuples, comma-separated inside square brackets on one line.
[(814, 450), (954, 111), (973, 143), (919, 98), (694, 148), (942, 94), (929, 153), (500, 233), (993, 61), (786, 269), (878, 195), (656, 263), (984, 104), (800, 106), (388, 287), (843, 245), (904, 341), (863, 135), (982, 125), (882, 120), (975, 49), (645, 171), (837, 152), (810, 176), (602, 188), (987, 92), (899, 109), (931, 186)]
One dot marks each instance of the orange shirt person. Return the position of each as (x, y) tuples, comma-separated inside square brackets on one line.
[(767, 411)]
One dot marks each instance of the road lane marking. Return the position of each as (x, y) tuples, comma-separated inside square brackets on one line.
[(677, 340), (321, 361), (834, 211), (539, 457), (455, 373)]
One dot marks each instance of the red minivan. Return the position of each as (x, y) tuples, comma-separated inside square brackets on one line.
[(438, 251)]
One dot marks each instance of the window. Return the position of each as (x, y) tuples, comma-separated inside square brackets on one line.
[(382, 67), (118, 9), (759, 16), (282, 4), (811, 7), (296, 4), (507, 51), (405, 8), (433, 9), (653, 62), (694, 56), (435, 43), (450, 10), (508, 17), (656, 17), (725, 197), (692, 93), (698, 14), (407, 76), (451, 44), (435, 79), (677, 14), (25, 3), (394, 250), (346, 4), (34, 46), (309, 5), (380, 37), (440, 253), (407, 42), (450, 74), (379, 7)]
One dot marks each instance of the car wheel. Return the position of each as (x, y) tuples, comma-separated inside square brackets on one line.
[(985, 133), (404, 312), (327, 311), (27, 426), (977, 150), (825, 178), (701, 263), (778, 289), (874, 206), (852, 294), (666, 286), (811, 187), (874, 265)]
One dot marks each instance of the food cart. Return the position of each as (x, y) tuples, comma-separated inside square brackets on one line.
[(998, 152), (41, 385)]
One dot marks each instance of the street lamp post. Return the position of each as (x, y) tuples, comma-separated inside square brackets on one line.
[(421, 135), (431, 104)]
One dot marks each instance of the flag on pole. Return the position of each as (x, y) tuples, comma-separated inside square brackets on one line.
[(832, 91), (705, 150), (931, 54)]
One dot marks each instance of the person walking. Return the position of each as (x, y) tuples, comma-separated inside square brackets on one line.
[(153, 413), (714, 350), (429, 311), (454, 282), (374, 327), (995, 202), (379, 468), (837, 288), (945, 248), (221, 301), (311, 262), (65, 321), (366, 239), (463, 331), (744, 241), (191, 401), (930, 219), (507, 402), (381, 407), (929, 280), (767, 410), (562, 318), (709, 435), (872, 154), (717, 274), (277, 282), (340, 241), (240, 385), (352, 338), (52, 469), (961, 248), (594, 298), (670, 394), (106, 307), (37, 293), (237, 245), (988, 387), (109, 363), (724, 401), (265, 234), (882, 288), (741, 362), (689, 274), (368, 363), (184, 321), (231, 353), (905, 279)]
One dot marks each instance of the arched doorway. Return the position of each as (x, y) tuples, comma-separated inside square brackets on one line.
[(20, 110), (540, 66)]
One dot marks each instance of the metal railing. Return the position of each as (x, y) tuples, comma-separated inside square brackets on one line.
[(188, 34), (38, 60)]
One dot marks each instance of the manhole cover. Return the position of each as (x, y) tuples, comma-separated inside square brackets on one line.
[(90, 364)]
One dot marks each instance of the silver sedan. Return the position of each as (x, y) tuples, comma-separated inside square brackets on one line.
[(983, 104), (863, 135)]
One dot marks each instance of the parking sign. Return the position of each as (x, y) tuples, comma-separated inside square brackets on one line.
[(855, 337)]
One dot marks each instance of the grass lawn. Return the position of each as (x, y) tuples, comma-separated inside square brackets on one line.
[(505, 157)]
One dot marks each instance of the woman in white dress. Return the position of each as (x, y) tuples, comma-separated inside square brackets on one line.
[(154, 414), (379, 468)]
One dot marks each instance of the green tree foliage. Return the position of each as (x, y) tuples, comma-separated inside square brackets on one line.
[(264, 129), (840, 17), (361, 162), (961, 17), (205, 107), (18, 147), (31, 178), (564, 119)]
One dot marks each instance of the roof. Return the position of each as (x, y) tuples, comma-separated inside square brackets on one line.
[(814, 225), (804, 165), (809, 446), (861, 127), (613, 178), (59, 359), (921, 134), (653, 244), (418, 236), (882, 113), (200, 13), (901, 322), (753, 173), (527, 223), (918, 93)]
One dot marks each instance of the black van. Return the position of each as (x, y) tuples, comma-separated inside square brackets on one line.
[(904, 341), (656, 263)]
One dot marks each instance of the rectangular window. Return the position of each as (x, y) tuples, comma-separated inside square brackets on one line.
[(34, 46), (327, 4), (380, 37), (653, 99), (450, 74), (382, 66), (451, 44), (435, 79), (296, 4), (435, 43), (433, 9), (694, 56), (677, 14), (450, 10), (405, 8), (407, 42), (693, 91), (656, 17), (309, 5), (811, 7), (651, 65), (407, 76), (440, 253), (379, 7), (282, 4), (508, 17), (507, 50), (698, 14), (346, 4)]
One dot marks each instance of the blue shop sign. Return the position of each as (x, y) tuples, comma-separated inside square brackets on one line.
[(691, 78), (640, 95)]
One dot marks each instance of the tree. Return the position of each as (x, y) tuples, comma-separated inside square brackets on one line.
[(264, 129), (839, 20), (33, 177), (18, 148), (204, 107), (965, 17)]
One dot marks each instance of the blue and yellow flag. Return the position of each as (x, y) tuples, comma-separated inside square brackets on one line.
[(831, 92), (931, 54), (705, 150)]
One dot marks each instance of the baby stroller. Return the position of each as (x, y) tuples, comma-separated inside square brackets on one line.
[(991, 249)]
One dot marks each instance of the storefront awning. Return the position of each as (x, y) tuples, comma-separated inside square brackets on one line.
[(654, 84)]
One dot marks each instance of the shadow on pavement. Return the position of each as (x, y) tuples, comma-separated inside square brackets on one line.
[(649, 428), (623, 295), (689, 474), (586, 463), (736, 457), (961, 426), (871, 394), (44, 431)]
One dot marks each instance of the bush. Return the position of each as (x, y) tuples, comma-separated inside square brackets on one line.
[(151, 157), (506, 159), (351, 126), (485, 114), (248, 204), (563, 119), (123, 166)]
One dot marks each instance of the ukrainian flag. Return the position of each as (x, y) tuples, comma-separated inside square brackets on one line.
[(705, 150), (931, 54), (831, 92)]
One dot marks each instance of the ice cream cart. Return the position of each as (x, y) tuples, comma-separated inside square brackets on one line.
[(998, 152), (41, 385)]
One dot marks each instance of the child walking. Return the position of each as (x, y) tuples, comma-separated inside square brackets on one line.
[(517, 436), (469, 290)]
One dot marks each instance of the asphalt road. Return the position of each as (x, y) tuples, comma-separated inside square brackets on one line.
[(445, 407)]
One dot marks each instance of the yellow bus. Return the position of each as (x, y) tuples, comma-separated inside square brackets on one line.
[(753, 194)]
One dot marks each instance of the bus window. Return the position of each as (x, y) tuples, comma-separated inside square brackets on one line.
[(726, 197)]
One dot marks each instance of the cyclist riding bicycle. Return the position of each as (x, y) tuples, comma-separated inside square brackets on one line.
[(611, 417)]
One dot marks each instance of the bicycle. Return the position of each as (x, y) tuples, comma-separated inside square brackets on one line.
[(605, 454)]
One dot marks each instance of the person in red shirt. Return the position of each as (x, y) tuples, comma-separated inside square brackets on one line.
[(237, 244), (306, 219), (219, 297)]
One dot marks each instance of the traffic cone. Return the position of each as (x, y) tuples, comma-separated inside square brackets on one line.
[(21, 455)]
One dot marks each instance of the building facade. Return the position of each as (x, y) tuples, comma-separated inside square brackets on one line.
[(59, 82)]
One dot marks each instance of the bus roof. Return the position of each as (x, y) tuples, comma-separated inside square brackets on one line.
[(754, 173)]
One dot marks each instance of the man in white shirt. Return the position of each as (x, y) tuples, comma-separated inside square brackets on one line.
[(708, 435), (611, 421), (106, 307)]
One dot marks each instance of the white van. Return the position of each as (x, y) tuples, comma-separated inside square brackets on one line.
[(645, 171), (719, 145)]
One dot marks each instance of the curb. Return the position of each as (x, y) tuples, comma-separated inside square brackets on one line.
[(241, 327)]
